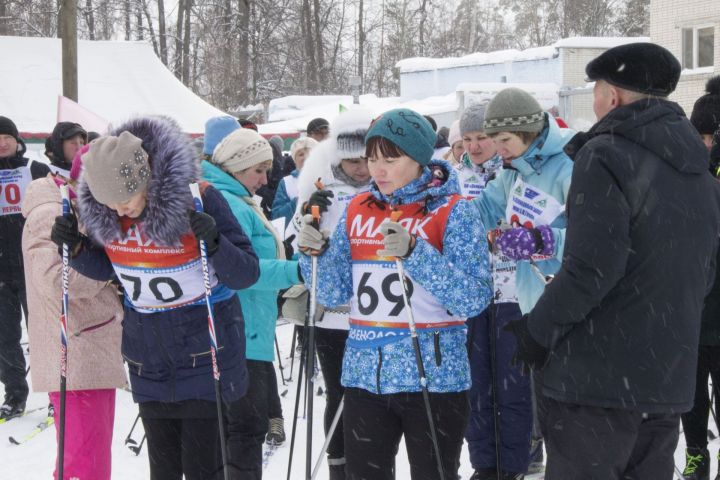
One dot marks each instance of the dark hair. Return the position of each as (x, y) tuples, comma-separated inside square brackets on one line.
[(381, 144), (526, 137), (432, 121)]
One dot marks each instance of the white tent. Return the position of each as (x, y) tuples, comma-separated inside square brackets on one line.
[(117, 80)]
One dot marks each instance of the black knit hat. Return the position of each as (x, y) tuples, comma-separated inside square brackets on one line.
[(706, 112), (7, 127), (640, 67)]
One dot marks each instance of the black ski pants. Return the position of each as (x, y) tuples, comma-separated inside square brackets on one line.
[(695, 422), (330, 345), (374, 425), (274, 405), (12, 360), (247, 423), (189, 446), (593, 443)]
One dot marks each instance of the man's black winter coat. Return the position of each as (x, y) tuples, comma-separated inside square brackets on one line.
[(11, 226), (622, 316)]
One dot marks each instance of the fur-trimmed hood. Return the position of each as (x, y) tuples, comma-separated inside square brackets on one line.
[(173, 165)]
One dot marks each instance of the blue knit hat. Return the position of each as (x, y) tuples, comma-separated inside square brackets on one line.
[(408, 130), (216, 129)]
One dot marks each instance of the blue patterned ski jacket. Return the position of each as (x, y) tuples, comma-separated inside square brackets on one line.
[(459, 277)]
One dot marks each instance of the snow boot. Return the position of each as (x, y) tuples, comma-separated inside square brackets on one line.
[(697, 464), (11, 408), (276, 432), (537, 457), (337, 468)]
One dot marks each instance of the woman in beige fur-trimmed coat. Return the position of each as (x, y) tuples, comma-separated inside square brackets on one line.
[(94, 365)]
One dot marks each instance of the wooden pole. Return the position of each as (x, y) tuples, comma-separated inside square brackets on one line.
[(68, 29)]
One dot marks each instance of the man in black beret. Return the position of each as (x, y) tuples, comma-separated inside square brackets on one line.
[(15, 176), (613, 340)]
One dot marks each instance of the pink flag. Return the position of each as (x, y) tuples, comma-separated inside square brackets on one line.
[(69, 111)]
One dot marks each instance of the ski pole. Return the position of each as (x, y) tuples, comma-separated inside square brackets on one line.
[(394, 216), (292, 352), (280, 365), (310, 357), (65, 197), (136, 448), (297, 407), (492, 327), (536, 269), (197, 200), (129, 439), (328, 438)]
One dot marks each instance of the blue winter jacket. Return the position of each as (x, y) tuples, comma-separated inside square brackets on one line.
[(168, 352), (283, 205), (459, 277), (259, 301), (545, 166)]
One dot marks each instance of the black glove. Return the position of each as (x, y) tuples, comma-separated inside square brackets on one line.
[(204, 228), (65, 231), (321, 198), (529, 353), (289, 250)]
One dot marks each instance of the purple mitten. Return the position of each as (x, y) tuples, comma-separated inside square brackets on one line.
[(521, 243), (548, 246)]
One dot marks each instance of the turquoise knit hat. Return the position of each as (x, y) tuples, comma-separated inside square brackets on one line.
[(408, 130)]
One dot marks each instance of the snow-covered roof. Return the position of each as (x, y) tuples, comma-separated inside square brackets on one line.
[(117, 80), (292, 114), (482, 92), (418, 64)]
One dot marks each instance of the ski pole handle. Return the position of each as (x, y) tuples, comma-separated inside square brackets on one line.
[(315, 212)]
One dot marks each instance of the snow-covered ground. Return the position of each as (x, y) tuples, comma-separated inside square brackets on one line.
[(35, 459)]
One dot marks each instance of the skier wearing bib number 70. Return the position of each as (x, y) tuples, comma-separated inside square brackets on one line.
[(529, 198), (135, 203), (441, 243)]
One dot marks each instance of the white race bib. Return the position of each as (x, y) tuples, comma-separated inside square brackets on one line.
[(527, 206), (12, 189)]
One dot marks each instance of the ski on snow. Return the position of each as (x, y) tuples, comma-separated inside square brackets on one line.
[(40, 427), (268, 451), (26, 412)]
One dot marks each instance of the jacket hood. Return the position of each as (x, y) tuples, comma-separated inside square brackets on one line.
[(44, 191), (173, 167), (222, 180), (656, 125), (424, 189), (317, 165), (549, 143)]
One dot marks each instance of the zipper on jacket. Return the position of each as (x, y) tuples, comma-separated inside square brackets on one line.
[(137, 365), (379, 368), (436, 342), (195, 356)]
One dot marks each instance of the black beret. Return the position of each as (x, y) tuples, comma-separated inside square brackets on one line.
[(640, 67)]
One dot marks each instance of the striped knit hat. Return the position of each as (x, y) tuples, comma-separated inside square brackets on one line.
[(513, 110)]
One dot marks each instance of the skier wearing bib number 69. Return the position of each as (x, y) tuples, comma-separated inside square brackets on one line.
[(135, 203), (441, 243), (529, 198)]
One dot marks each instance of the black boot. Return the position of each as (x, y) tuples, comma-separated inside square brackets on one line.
[(697, 464), (337, 468)]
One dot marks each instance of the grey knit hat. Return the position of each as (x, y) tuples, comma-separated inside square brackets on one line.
[(116, 168), (472, 119), (514, 110)]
